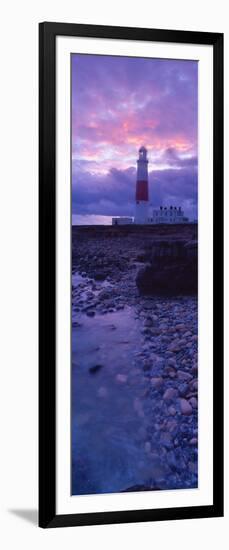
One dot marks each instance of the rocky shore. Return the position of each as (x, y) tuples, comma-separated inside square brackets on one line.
[(105, 264)]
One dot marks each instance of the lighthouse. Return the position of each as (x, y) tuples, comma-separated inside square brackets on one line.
[(142, 191)]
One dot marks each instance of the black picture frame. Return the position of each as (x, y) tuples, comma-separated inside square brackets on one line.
[(47, 273)]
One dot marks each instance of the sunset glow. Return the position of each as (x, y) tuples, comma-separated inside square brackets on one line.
[(119, 104)]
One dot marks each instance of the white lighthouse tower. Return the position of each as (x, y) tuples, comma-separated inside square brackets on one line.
[(142, 191)]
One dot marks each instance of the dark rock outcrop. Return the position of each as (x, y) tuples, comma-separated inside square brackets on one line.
[(172, 269)]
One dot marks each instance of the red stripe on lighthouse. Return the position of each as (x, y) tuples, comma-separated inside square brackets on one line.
[(142, 191)]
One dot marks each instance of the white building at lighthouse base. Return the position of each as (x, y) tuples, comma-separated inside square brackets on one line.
[(164, 214), (146, 215)]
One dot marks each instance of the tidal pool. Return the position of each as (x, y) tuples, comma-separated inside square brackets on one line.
[(109, 392)]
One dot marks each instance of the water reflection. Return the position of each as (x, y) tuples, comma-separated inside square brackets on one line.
[(109, 394)]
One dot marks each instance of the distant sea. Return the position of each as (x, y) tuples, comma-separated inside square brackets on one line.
[(91, 219)]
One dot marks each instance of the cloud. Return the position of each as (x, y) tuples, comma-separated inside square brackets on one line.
[(122, 102), (171, 157), (113, 194), (118, 104)]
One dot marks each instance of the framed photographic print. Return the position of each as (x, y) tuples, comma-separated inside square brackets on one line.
[(131, 275)]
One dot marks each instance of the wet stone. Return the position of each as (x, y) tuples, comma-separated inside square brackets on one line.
[(183, 375), (170, 394), (95, 369), (160, 369), (185, 407), (193, 402), (166, 440), (122, 378), (157, 382), (183, 389)]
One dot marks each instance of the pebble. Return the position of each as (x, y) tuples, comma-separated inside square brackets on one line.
[(172, 411), (183, 389), (183, 375), (171, 372), (185, 407), (122, 378), (192, 467), (172, 362), (169, 394), (148, 322), (166, 440), (193, 441), (174, 347), (194, 403), (195, 385), (102, 392), (182, 342), (194, 369), (171, 425), (157, 382)]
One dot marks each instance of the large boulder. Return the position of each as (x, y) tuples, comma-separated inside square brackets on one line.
[(172, 270)]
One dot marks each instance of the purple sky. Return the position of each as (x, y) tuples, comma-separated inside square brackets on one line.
[(119, 104)]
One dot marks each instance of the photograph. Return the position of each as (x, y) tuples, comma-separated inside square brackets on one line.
[(113, 227), (134, 274)]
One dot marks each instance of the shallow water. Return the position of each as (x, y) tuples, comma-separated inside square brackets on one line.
[(108, 420), (125, 433)]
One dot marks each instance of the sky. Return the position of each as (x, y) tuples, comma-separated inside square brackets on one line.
[(118, 105)]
